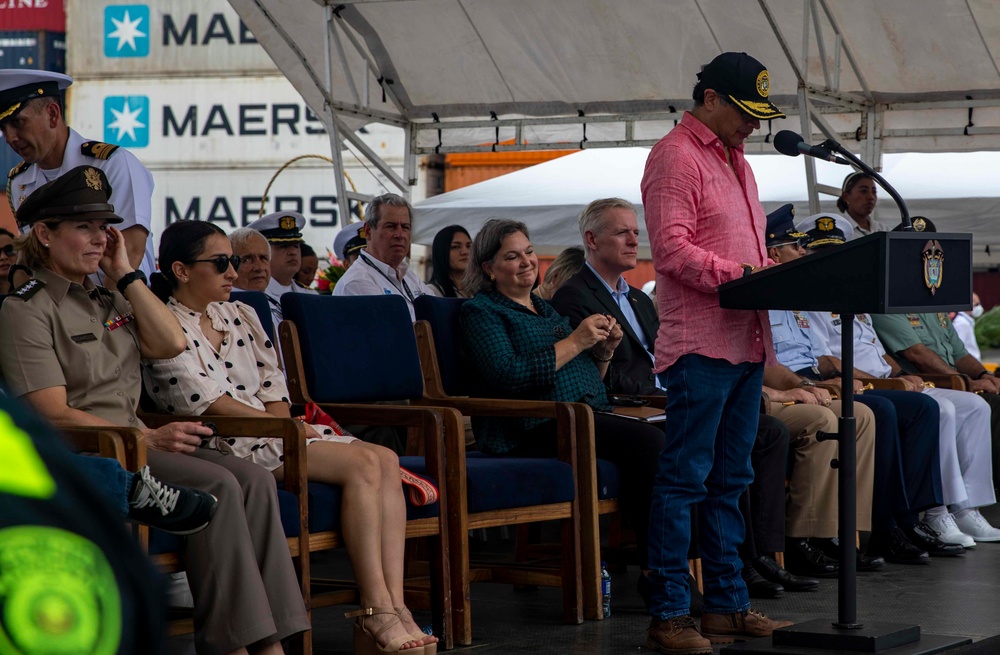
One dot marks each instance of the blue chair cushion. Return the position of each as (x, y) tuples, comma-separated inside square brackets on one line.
[(609, 480), (338, 335), (261, 305), (497, 482), (442, 314)]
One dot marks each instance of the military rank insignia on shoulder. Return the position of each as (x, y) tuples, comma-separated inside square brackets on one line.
[(28, 289), (17, 170), (97, 150)]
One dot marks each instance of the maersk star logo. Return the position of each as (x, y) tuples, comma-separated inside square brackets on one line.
[(126, 31), (126, 121)]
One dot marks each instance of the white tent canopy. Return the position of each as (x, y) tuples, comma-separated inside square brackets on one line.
[(892, 75), (958, 192)]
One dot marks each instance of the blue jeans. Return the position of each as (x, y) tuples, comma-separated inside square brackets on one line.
[(712, 412), (109, 480)]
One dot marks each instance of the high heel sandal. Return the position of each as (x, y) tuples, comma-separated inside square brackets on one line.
[(429, 649), (366, 642)]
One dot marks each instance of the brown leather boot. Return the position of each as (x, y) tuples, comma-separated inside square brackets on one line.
[(677, 636), (727, 628)]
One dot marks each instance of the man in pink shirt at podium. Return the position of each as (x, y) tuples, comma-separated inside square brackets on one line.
[(706, 227)]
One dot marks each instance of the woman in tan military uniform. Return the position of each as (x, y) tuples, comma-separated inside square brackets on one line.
[(73, 355)]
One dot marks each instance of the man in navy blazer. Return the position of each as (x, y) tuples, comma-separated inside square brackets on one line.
[(610, 232)]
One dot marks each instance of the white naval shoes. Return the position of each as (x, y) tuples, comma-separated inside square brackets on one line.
[(976, 526), (949, 532)]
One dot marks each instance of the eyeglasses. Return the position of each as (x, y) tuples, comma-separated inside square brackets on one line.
[(221, 262), (7, 250)]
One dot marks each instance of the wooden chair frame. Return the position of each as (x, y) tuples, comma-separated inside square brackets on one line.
[(575, 434), (430, 423), (128, 446)]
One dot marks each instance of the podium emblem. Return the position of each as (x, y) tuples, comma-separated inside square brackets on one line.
[(933, 257)]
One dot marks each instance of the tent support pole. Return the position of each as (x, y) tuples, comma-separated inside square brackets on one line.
[(336, 153), (809, 162)]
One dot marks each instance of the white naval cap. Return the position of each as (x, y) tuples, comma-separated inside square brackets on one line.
[(19, 85)]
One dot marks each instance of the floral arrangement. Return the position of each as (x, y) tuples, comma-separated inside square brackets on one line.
[(327, 279)]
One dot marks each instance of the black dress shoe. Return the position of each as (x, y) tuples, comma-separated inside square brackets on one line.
[(864, 562), (927, 538), (896, 548), (645, 589), (768, 568), (757, 586), (802, 558)]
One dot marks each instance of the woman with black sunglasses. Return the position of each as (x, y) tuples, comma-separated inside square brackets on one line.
[(7, 259), (230, 368)]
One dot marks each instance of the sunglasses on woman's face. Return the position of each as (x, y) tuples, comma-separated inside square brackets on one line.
[(222, 262), (7, 250)]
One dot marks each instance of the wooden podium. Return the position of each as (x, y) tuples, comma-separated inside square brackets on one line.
[(882, 273)]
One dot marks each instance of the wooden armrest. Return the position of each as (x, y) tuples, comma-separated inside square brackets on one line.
[(660, 402), (834, 389), (372, 414), (955, 381), (892, 384), (290, 431), (127, 445), (496, 406)]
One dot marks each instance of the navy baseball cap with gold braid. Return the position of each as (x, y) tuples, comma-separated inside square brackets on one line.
[(18, 86), (744, 80)]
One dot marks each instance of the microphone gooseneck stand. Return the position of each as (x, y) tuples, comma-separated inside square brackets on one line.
[(904, 213)]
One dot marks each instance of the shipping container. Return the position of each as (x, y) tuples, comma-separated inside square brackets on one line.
[(34, 15), (198, 122), (232, 198), (125, 38), (463, 169), (33, 49)]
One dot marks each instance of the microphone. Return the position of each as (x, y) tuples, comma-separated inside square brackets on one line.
[(789, 143)]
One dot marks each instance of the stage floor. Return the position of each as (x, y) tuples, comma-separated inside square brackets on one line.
[(952, 596)]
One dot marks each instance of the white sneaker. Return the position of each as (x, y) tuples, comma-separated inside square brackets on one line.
[(948, 531), (976, 526)]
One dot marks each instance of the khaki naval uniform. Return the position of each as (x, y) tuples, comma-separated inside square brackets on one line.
[(811, 510), (239, 568)]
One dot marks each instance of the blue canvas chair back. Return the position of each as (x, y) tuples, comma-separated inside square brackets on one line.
[(442, 314), (261, 305), (356, 349)]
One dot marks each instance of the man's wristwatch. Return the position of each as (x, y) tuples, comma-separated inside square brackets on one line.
[(747, 269), (806, 382), (983, 373), (128, 279)]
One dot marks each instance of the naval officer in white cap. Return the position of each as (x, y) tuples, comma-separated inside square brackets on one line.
[(33, 122), (283, 231)]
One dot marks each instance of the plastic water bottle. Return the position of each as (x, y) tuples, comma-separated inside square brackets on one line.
[(605, 589)]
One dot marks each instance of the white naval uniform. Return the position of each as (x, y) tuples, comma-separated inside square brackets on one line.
[(876, 226), (274, 291), (965, 325), (131, 188), (964, 441), (370, 277)]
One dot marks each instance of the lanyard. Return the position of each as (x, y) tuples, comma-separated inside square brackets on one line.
[(406, 287)]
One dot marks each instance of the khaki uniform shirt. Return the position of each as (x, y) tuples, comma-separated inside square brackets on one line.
[(57, 333)]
